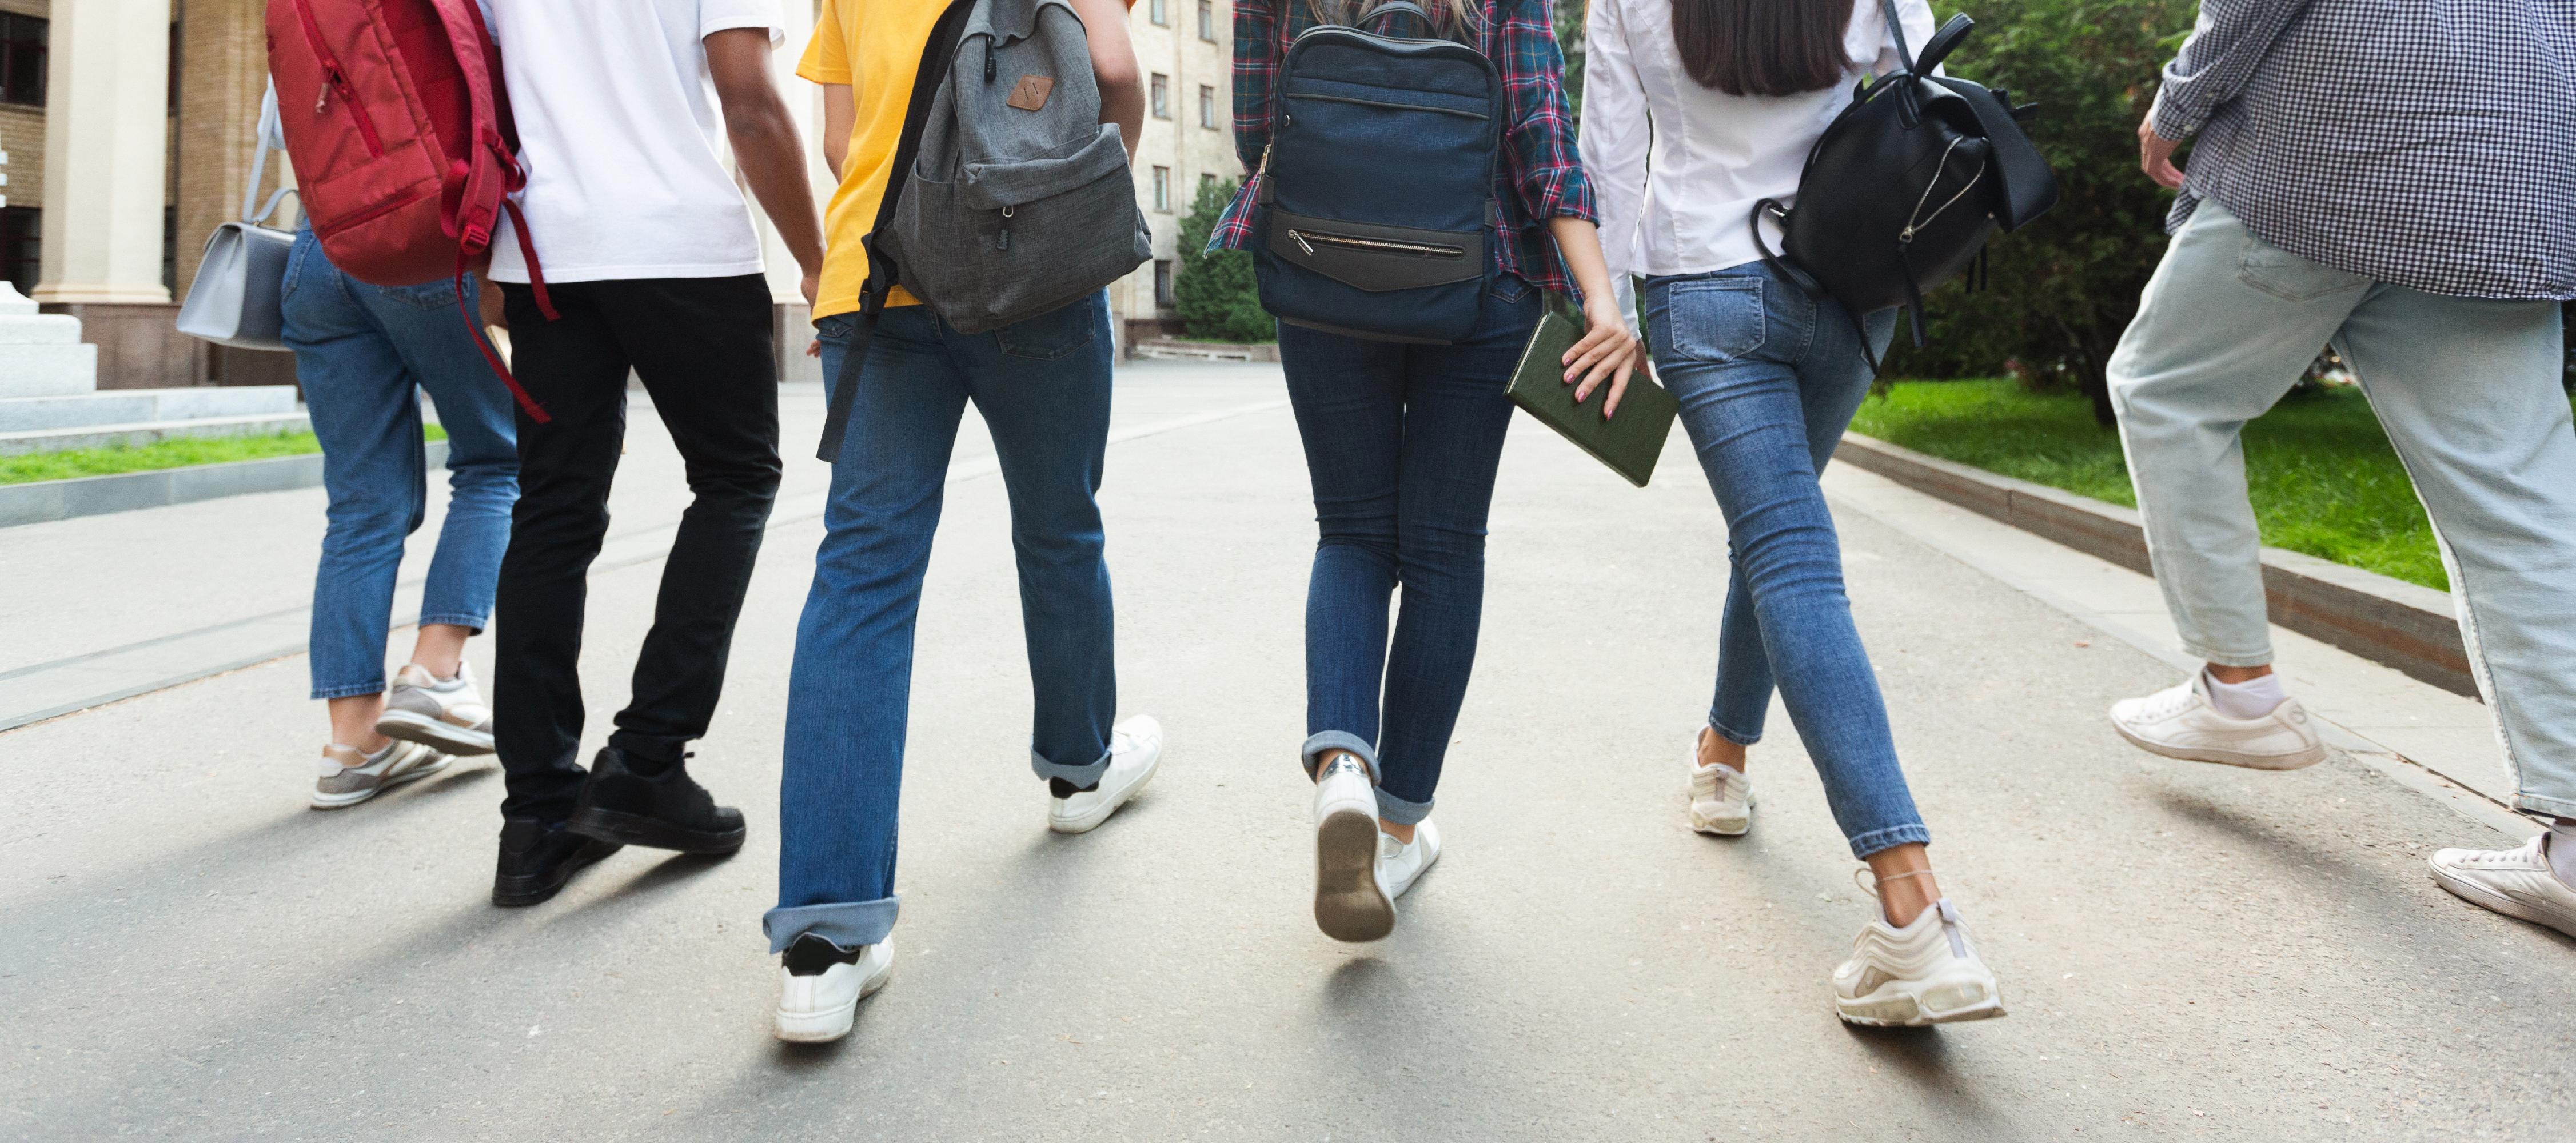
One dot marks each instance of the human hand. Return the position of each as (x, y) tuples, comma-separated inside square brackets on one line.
[(814, 348), (488, 301), (810, 284), (2155, 155), (1608, 352)]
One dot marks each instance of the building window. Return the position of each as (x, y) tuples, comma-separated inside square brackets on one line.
[(1162, 96), (1207, 107), (1207, 182), (1207, 20), (22, 59), (1163, 189), (1163, 283), (22, 244), (170, 249), (1155, 11)]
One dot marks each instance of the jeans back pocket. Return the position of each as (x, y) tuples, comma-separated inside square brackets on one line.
[(1715, 319)]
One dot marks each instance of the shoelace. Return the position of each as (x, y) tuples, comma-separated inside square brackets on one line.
[(2164, 704)]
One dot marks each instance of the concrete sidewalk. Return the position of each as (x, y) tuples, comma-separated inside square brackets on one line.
[(2191, 952)]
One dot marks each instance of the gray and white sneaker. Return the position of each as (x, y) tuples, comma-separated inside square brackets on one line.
[(349, 777), (1721, 797), (1352, 902), (449, 715), (2515, 882), (1925, 973), (1135, 752)]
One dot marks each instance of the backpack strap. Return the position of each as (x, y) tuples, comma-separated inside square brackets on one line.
[(462, 211), (883, 274)]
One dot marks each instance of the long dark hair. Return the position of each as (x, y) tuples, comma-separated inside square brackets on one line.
[(1762, 47)]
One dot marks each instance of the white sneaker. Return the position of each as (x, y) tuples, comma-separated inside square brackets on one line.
[(1721, 797), (1351, 902), (1924, 973), (818, 1009), (348, 777), (1135, 751), (2515, 882), (449, 716), (2178, 722), (1399, 863)]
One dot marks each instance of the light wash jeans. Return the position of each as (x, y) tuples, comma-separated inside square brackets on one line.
[(2469, 392), (364, 354), (1768, 379), (1042, 386), (1402, 444)]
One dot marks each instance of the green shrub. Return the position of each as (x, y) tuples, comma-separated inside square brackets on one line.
[(2063, 288), (1213, 289)]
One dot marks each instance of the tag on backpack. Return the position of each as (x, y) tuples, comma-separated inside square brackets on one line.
[(1031, 93)]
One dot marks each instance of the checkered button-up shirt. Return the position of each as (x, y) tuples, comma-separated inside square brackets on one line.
[(1539, 177), (2426, 143)]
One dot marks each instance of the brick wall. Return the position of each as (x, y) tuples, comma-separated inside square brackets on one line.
[(22, 134), (223, 54)]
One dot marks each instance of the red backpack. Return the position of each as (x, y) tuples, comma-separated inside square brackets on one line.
[(402, 142)]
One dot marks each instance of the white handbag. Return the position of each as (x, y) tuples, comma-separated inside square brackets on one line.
[(234, 300)]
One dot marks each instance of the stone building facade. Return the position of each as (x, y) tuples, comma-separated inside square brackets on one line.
[(1186, 50)]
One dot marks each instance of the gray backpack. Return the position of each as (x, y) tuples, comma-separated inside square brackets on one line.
[(1009, 197)]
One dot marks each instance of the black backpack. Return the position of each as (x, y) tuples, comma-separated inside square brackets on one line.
[(1377, 208), (1902, 189)]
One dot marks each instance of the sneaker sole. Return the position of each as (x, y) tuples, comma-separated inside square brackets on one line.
[(1899, 1004), (1349, 903), (444, 737), (322, 801), (2300, 760), (650, 832), (1721, 825), (1085, 823), (2477, 894), (522, 894), (825, 1027)]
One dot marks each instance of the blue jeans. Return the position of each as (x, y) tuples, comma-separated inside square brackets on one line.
[(1768, 379), (1402, 442), (363, 355), (1042, 387)]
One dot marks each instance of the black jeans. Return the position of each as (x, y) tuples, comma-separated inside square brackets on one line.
[(704, 350)]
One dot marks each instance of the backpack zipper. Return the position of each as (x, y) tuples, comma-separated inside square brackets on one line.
[(1372, 245), (334, 79), (1905, 237)]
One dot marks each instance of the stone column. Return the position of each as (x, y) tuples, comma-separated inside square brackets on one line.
[(106, 159)]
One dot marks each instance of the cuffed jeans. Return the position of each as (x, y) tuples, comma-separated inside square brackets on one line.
[(2469, 391), (363, 355), (704, 348), (1402, 443), (1042, 387), (1768, 379)]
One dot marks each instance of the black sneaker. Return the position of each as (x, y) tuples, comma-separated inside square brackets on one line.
[(664, 810), (537, 859)]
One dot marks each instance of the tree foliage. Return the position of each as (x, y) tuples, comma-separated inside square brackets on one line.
[(1213, 289)]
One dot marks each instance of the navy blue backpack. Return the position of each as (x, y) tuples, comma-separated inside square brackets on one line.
[(1377, 199)]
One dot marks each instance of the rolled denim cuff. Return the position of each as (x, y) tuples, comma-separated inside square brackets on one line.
[(1082, 775), (2543, 804), (350, 690), (2260, 657), (1399, 811), (848, 925), (1312, 753), (1889, 838), (473, 623), (1737, 737)]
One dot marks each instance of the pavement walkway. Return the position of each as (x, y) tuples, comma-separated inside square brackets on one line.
[(2189, 952)]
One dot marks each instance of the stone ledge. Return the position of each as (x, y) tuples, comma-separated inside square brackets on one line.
[(48, 500), (2388, 621)]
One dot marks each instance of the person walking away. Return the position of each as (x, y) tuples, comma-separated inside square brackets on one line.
[(1731, 95), (364, 355), (1402, 443), (649, 264), (1042, 386), (2423, 223)]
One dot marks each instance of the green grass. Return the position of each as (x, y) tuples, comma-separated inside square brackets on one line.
[(179, 453), (2323, 478)]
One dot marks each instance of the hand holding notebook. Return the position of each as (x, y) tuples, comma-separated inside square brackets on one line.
[(1629, 441)]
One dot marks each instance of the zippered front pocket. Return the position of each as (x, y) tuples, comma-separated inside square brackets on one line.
[(336, 79), (1307, 239)]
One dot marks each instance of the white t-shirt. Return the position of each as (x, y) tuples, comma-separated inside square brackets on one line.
[(1676, 167), (605, 93)]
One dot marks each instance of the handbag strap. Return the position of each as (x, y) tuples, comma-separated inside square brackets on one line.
[(268, 125)]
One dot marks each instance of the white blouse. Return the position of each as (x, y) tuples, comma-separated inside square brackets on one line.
[(1676, 167)]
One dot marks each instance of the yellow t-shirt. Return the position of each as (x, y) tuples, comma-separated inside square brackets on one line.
[(874, 46)]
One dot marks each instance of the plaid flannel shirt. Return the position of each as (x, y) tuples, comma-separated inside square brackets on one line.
[(1540, 176), (2424, 143)]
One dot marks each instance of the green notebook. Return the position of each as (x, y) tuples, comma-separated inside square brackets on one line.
[(1629, 442)]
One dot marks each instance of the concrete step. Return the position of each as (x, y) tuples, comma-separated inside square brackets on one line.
[(38, 329), (133, 406), (146, 432), (48, 369)]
